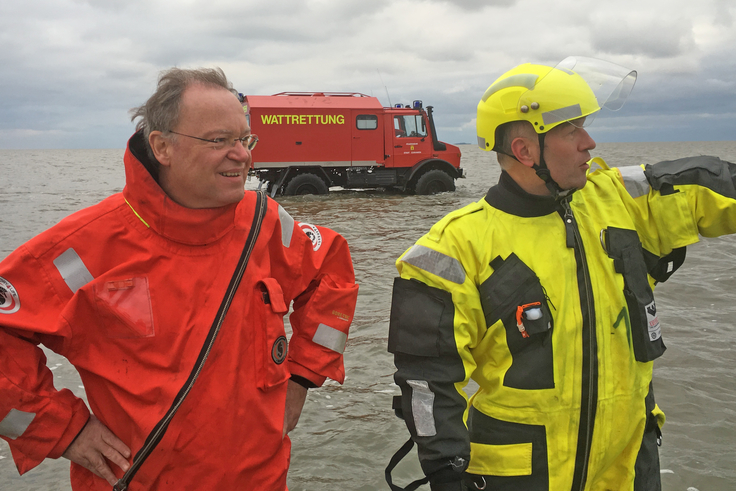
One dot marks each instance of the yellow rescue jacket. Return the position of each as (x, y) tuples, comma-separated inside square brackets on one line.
[(548, 307)]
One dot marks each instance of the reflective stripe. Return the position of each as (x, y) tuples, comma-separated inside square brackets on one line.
[(330, 338), (635, 180), (422, 407), (73, 270), (482, 142), (562, 114), (287, 226), (15, 423), (519, 80), (434, 262), (136, 214)]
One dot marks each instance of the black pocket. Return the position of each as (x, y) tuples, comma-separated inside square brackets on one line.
[(624, 247), (495, 462), (514, 295), (422, 319)]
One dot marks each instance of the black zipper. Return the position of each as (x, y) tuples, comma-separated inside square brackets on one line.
[(589, 392), (158, 431)]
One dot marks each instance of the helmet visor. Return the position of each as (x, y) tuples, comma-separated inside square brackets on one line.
[(611, 85)]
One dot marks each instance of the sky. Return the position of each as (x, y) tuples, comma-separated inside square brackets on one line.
[(70, 70)]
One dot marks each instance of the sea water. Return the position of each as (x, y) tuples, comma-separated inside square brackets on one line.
[(347, 433)]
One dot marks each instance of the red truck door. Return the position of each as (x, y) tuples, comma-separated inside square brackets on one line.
[(367, 138), (412, 142)]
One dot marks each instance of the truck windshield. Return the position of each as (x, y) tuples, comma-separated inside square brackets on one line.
[(411, 125)]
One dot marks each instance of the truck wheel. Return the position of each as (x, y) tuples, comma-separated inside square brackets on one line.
[(306, 184), (433, 182)]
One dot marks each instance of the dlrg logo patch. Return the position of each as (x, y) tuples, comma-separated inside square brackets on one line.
[(9, 301)]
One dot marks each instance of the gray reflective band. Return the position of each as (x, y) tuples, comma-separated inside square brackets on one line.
[(287, 227), (330, 338), (635, 180), (482, 142), (519, 80), (73, 270), (562, 114), (15, 423), (422, 407), (434, 262)]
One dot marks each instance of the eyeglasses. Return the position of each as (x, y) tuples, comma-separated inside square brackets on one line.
[(248, 141)]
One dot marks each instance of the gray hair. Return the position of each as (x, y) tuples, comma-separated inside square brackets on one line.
[(505, 134), (161, 111)]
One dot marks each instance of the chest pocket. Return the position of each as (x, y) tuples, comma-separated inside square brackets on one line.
[(624, 247), (269, 309), (124, 306), (514, 295)]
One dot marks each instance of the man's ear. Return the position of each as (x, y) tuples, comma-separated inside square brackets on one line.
[(161, 147), (525, 150)]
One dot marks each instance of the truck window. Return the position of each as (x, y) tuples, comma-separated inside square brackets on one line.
[(411, 125), (366, 121)]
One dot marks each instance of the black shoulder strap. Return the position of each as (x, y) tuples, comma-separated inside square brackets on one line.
[(158, 431)]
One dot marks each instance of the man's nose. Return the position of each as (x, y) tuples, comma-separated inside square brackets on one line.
[(239, 152), (587, 142)]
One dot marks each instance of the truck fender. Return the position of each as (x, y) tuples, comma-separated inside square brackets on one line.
[(428, 164), (294, 170)]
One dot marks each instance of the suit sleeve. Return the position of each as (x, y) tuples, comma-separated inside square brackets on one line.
[(322, 286), (36, 420), (676, 201), (435, 316)]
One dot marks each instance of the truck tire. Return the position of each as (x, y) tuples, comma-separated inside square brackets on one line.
[(306, 184), (433, 182)]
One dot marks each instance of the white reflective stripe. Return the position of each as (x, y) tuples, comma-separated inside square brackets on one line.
[(635, 180), (562, 114), (422, 407), (287, 226), (330, 338), (73, 270), (15, 423), (434, 262)]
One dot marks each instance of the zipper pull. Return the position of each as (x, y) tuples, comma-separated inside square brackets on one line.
[(569, 226)]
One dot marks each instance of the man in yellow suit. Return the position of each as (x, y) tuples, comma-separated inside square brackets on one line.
[(541, 292)]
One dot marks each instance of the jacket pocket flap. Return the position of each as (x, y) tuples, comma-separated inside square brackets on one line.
[(274, 295)]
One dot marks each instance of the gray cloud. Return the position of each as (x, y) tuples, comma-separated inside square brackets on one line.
[(475, 5), (72, 68), (642, 33)]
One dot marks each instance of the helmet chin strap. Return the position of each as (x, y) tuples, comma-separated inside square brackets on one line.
[(543, 172)]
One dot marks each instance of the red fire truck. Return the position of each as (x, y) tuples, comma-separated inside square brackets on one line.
[(310, 141)]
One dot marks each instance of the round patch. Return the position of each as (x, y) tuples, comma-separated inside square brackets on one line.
[(279, 350), (313, 234), (9, 301)]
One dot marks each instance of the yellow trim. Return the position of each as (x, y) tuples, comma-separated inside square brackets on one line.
[(657, 412), (136, 214), (501, 460)]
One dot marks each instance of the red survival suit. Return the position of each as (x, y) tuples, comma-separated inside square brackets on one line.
[(127, 290)]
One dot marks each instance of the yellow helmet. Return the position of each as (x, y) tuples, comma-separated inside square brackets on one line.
[(546, 96)]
